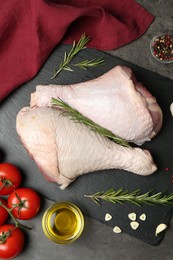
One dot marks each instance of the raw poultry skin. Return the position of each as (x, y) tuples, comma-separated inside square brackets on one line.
[(64, 149), (115, 101)]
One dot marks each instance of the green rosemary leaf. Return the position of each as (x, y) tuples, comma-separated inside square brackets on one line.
[(122, 196), (136, 203), (117, 192), (96, 201), (109, 191), (98, 193), (90, 63), (76, 116), (114, 202), (65, 56), (67, 68)]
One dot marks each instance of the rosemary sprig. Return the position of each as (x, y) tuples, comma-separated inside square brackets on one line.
[(81, 44), (78, 117), (121, 196), (90, 63)]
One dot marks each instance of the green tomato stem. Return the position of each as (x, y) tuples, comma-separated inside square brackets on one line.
[(17, 223), (6, 183)]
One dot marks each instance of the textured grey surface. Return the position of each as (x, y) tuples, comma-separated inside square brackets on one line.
[(98, 242), (138, 52)]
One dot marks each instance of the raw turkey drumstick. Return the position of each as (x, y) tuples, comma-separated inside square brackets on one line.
[(64, 149), (115, 101)]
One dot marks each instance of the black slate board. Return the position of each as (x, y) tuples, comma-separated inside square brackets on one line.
[(160, 147)]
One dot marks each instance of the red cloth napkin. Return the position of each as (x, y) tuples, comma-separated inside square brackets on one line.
[(30, 29)]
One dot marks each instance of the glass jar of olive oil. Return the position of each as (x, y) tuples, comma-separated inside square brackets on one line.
[(63, 222)]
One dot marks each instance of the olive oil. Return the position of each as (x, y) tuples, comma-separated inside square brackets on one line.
[(63, 222)]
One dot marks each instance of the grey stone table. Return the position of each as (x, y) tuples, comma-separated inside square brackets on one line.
[(163, 12), (98, 242)]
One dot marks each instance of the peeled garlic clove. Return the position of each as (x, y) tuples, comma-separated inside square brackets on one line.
[(143, 217), (132, 216), (108, 217), (117, 230), (171, 109), (160, 228), (134, 225)]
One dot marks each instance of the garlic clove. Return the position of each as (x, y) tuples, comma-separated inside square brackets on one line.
[(171, 109), (132, 216), (117, 230), (143, 217), (134, 225), (108, 217), (161, 227)]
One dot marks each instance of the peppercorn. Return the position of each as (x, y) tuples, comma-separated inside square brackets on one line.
[(162, 48)]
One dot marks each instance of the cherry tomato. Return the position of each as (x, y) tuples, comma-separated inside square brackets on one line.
[(27, 203), (3, 212), (10, 178), (11, 241)]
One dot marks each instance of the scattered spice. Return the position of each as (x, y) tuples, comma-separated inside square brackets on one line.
[(108, 217), (134, 225), (162, 48), (117, 230), (161, 227), (132, 216)]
